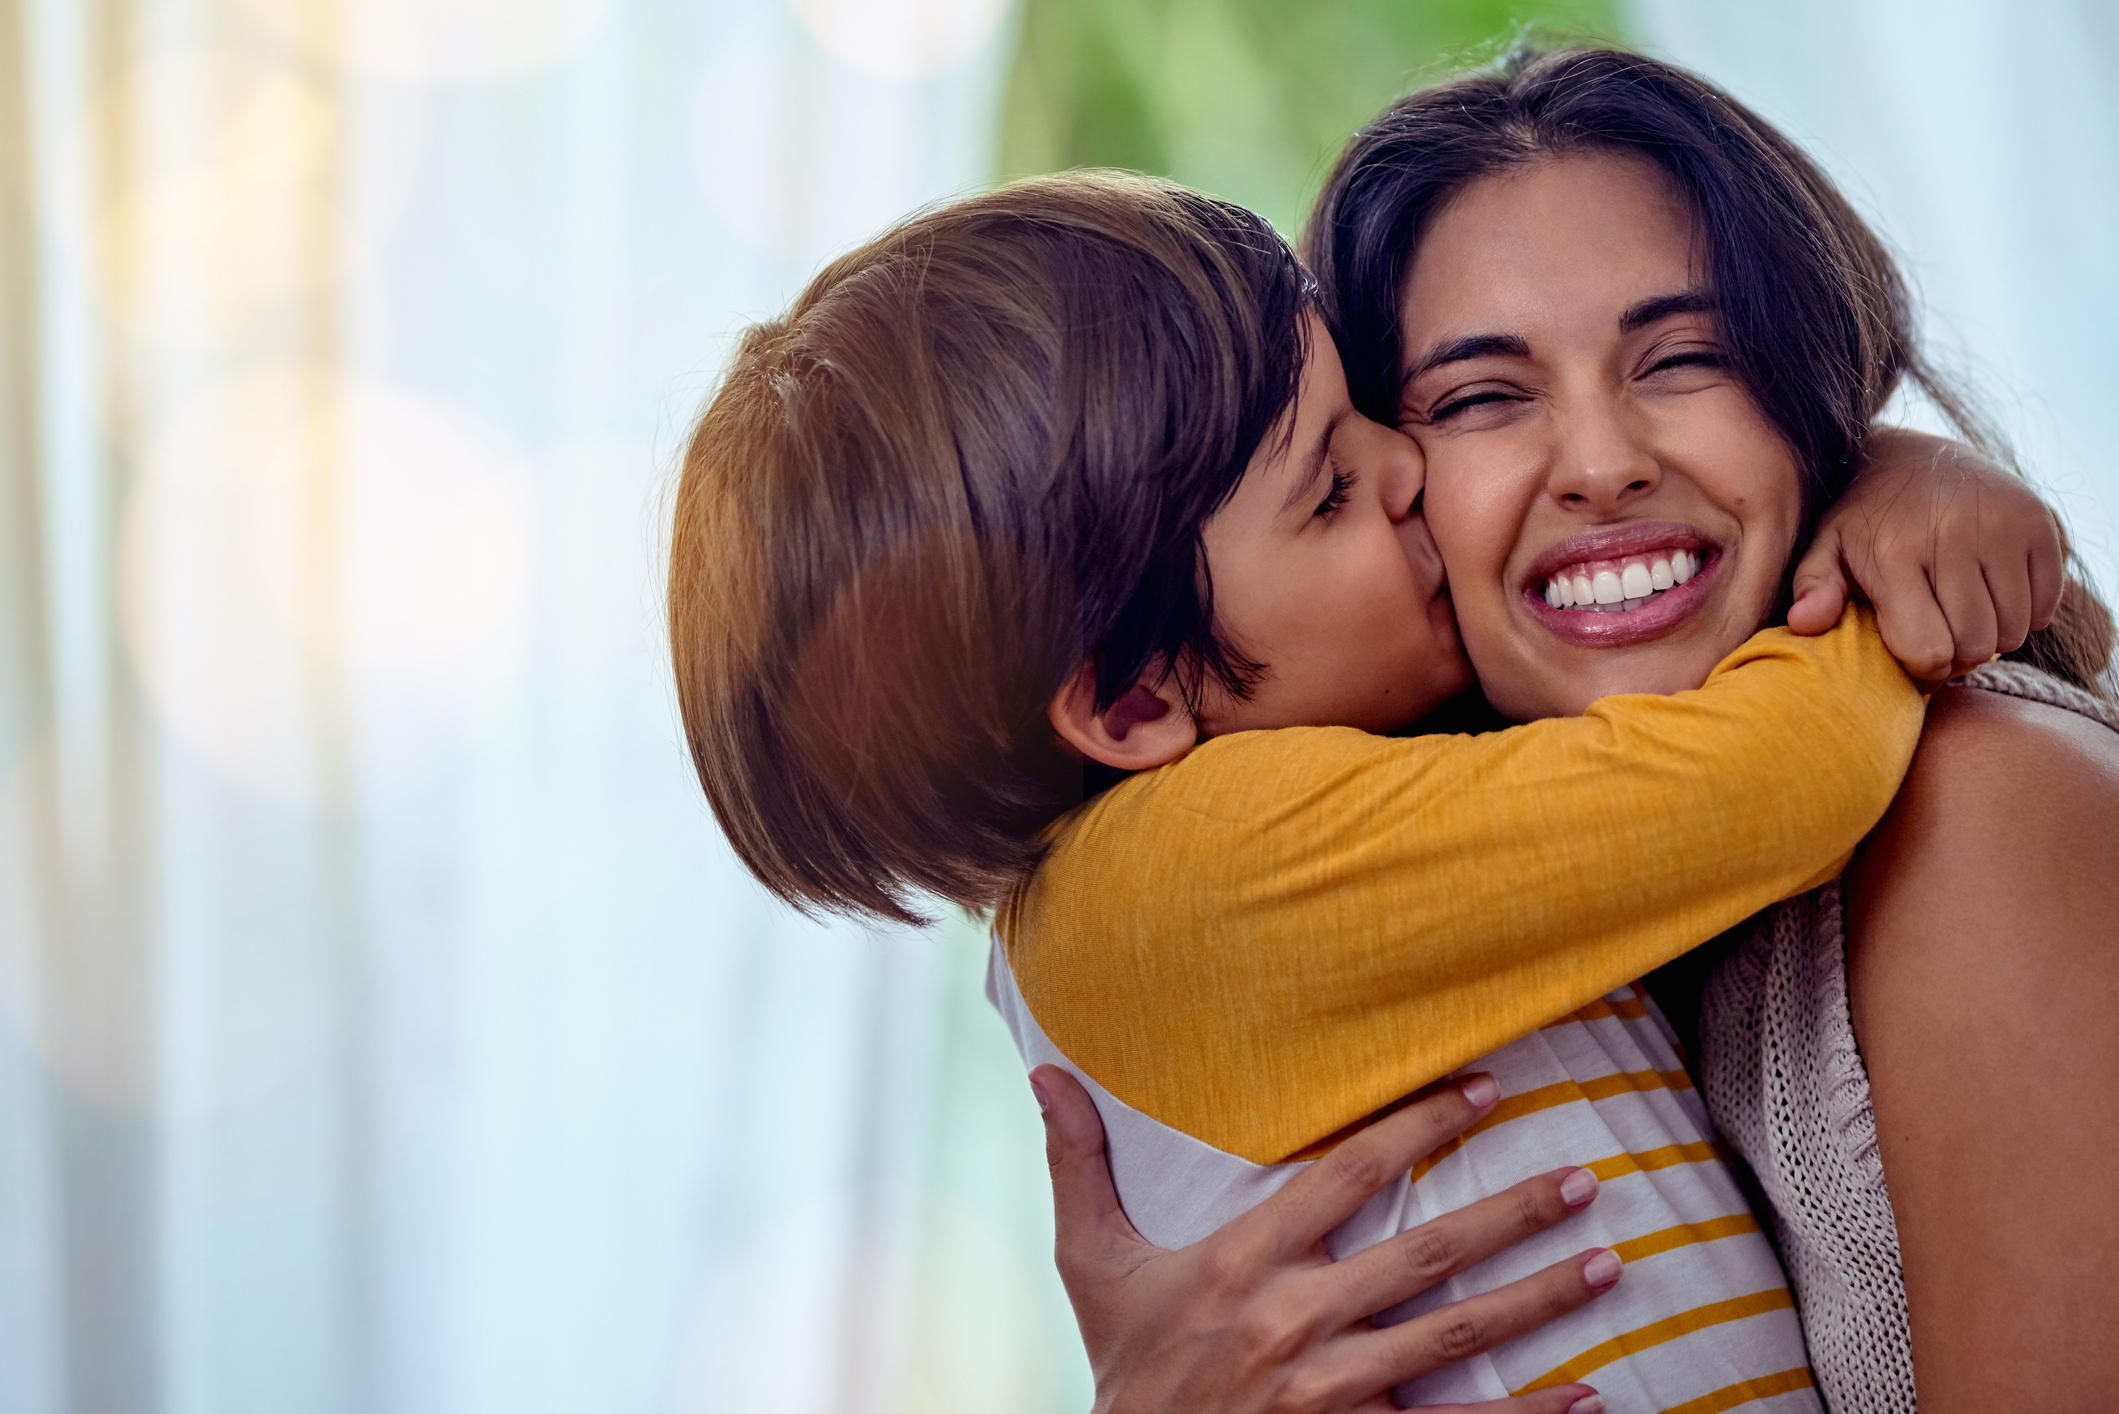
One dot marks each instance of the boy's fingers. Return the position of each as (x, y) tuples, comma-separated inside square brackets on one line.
[(1478, 1323), (1379, 1277), (1913, 625), (2009, 587), (1817, 605), (1095, 1237), (1966, 601), (2048, 570), (1820, 589), (1330, 1190)]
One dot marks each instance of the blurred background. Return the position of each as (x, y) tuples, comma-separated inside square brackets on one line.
[(384, 1028)]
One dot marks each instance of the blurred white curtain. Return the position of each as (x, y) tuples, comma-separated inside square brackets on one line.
[(1982, 138), (383, 1027)]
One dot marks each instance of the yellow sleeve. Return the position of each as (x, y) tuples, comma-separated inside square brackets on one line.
[(1333, 919)]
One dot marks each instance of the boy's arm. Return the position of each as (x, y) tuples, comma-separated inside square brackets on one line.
[(1337, 919), (1960, 557)]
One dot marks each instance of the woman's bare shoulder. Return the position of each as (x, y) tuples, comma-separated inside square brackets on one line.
[(2008, 754), (2001, 789)]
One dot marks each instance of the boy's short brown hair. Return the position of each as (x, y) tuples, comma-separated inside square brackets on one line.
[(975, 454)]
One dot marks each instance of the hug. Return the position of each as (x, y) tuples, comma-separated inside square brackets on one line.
[(1524, 935)]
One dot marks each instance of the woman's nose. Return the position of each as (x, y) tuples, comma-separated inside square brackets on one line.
[(1600, 466)]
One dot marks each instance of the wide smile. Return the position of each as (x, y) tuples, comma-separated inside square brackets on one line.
[(1623, 585)]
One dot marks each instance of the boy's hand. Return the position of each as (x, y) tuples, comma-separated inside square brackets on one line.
[(1960, 558), (1257, 1319)]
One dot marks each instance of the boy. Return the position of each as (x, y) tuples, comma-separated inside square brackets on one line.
[(953, 554)]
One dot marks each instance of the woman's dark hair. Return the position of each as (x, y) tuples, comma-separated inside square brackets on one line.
[(1813, 312), (977, 453)]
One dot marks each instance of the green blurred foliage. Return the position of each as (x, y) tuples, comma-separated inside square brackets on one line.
[(1250, 100)]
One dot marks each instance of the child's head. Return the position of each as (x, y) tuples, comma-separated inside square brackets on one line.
[(976, 455)]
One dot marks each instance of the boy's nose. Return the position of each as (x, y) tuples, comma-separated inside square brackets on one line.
[(1404, 476)]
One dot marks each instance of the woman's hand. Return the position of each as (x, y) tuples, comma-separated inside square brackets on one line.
[(1257, 1318), (1959, 556)]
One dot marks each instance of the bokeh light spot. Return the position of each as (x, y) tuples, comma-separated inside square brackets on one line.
[(902, 39), (309, 557), (435, 40)]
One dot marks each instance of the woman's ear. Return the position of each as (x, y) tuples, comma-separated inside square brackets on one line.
[(1148, 725)]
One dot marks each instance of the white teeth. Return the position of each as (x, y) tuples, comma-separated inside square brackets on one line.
[(1634, 581)]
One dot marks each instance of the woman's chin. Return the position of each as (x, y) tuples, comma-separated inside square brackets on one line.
[(1562, 683)]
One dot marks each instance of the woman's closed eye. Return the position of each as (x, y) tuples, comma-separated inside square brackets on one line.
[(1475, 405), (1687, 368)]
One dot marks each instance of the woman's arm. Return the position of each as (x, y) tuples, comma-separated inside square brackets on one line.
[(1256, 1319), (1983, 975)]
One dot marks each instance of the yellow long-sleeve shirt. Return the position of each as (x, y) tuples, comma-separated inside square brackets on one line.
[(1251, 949), (1340, 918)]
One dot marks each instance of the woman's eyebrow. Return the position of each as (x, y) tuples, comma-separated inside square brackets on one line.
[(1470, 346), (1649, 310)]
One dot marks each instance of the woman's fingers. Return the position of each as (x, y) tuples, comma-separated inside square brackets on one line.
[(1456, 1332), (1330, 1190), (1379, 1277), (1096, 1238), (1566, 1399)]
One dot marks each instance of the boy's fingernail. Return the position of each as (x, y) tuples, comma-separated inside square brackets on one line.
[(1587, 1404), (1601, 1268), (1481, 1092), (1578, 1188), (1044, 1101)]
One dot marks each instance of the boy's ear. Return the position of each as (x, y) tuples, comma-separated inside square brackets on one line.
[(1148, 726)]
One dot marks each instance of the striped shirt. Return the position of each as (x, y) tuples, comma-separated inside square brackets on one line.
[(1702, 1319), (1267, 942)]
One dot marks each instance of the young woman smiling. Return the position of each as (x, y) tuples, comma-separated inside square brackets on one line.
[(1641, 340)]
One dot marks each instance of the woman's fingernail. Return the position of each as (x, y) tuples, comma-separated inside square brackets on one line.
[(1481, 1092), (1587, 1404), (1601, 1268), (1578, 1188), (1044, 1101)]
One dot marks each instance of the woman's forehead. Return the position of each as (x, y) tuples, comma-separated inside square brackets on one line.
[(1585, 232)]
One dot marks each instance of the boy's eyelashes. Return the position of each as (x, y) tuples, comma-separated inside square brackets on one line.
[(1342, 485)]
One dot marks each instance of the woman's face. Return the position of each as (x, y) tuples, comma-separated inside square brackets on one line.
[(1614, 511)]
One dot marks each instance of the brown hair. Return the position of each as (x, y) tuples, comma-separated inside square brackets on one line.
[(976, 453), (1811, 305)]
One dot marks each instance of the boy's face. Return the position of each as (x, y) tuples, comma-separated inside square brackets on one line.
[(1323, 571)]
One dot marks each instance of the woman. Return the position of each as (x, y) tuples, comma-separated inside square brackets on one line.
[(1616, 309)]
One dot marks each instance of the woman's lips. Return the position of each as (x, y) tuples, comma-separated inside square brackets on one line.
[(1621, 585)]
